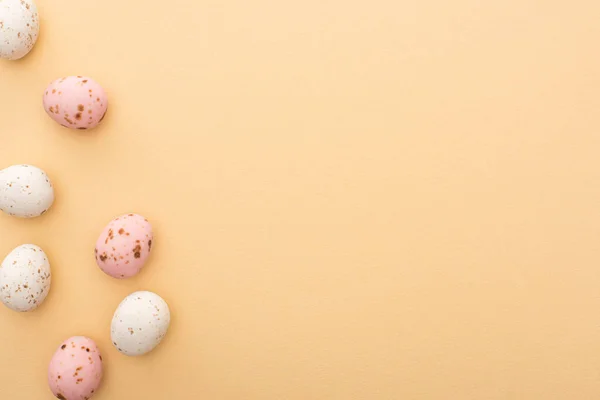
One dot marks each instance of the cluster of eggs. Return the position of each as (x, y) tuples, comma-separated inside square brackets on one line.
[(142, 319)]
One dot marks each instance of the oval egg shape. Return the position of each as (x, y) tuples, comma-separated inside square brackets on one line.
[(25, 278), (124, 246), (140, 323), (75, 371), (76, 102), (19, 28), (25, 191)]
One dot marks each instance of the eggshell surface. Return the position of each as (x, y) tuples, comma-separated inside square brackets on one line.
[(25, 191), (124, 246), (76, 102), (19, 28), (75, 371), (140, 323), (25, 278)]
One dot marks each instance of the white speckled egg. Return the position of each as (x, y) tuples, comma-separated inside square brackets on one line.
[(19, 28), (24, 278), (140, 323), (25, 191)]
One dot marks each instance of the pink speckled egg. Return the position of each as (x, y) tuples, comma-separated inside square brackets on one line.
[(75, 370), (76, 102), (124, 245)]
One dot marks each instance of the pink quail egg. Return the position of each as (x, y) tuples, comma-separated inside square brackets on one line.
[(124, 246), (75, 371), (76, 102)]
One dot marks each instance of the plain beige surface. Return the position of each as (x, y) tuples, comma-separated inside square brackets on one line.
[(375, 200)]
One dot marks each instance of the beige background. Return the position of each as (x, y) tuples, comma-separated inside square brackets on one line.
[(372, 200)]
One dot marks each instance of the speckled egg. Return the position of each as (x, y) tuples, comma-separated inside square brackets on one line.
[(124, 245), (140, 323), (25, 278), (75, 371), (19, 28), (25, 191), (76, 102)]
